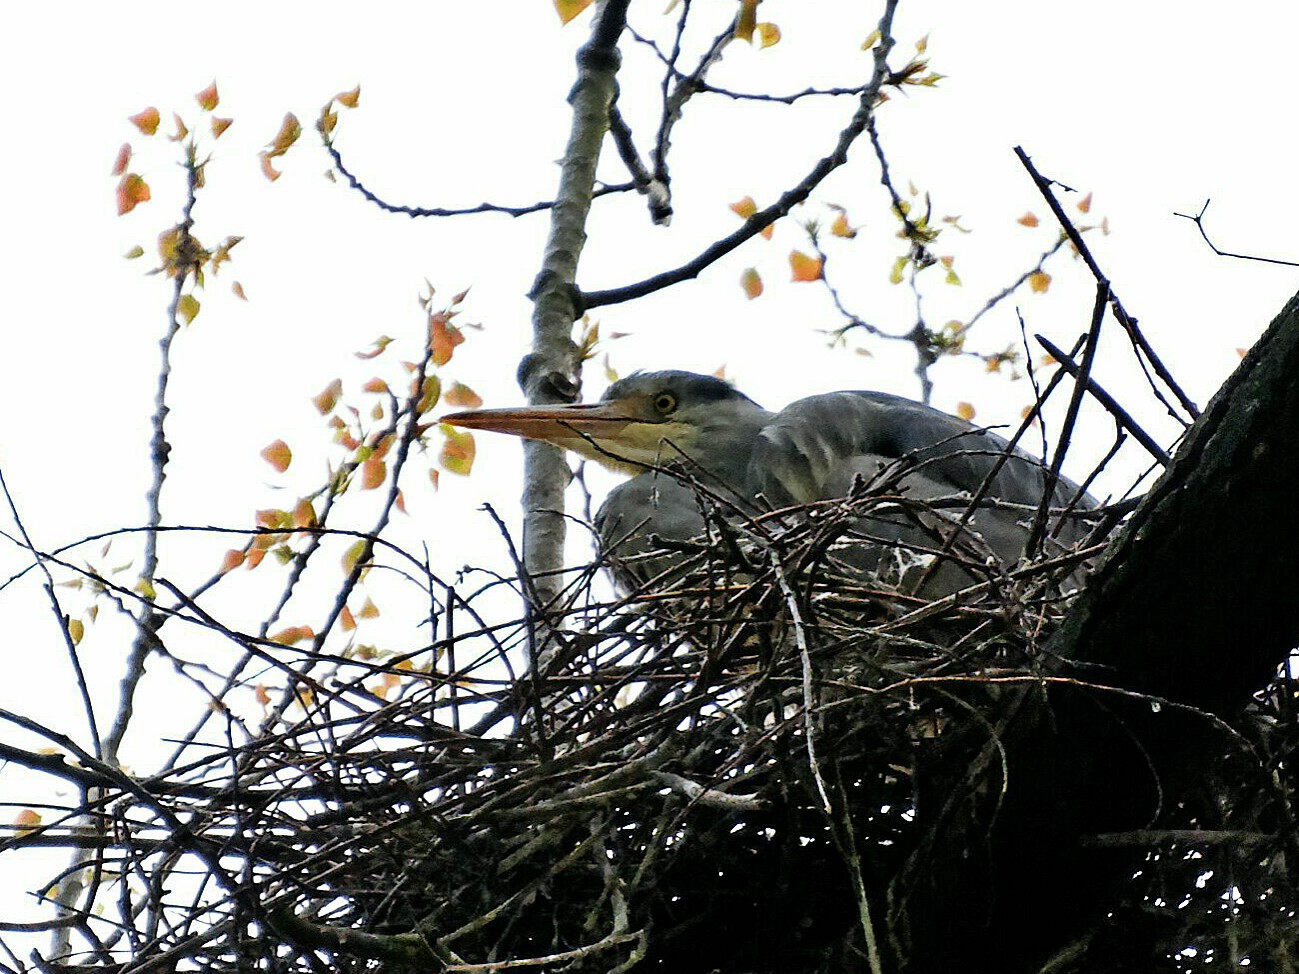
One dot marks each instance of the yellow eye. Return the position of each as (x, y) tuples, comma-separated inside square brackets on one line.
[(664, 403)]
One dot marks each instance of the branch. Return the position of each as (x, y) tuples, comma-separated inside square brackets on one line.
[(1198, 220)]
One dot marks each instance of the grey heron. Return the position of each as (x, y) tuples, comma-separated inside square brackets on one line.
[(679, 434)]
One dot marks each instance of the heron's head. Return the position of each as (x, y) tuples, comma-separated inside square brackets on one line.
[(646, 419)]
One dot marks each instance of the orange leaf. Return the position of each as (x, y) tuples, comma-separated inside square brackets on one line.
[(461, 395), (289, 131), (443, 338), (458, 451), (744, 208), (380, 343), (293, 634), (746, 21), (279, 456), (373, 473), (232, 560), (349, 98), (26, 821), (182, 129), (122, 160), (840, 226), (219, 126), (269, 171), (965, 410), (1085, 204), (238, 290), (568, 9), (146, 121), (304, 514), (131, 191), (1028, 220), (751, 283), (1039, 282), (805, 268), (327, 398), (208, 97), (255, 558), (347, 620), (262, 695), (434, 476), (375, 385)]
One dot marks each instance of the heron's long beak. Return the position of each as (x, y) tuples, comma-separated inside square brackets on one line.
[(602, 421), (608, 432)]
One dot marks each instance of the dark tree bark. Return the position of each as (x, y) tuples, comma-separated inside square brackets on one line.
[(1191, 611)]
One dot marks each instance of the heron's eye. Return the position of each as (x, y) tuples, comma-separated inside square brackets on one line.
[(664, 403)]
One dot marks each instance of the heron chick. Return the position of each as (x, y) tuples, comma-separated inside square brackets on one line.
[(651, 424)]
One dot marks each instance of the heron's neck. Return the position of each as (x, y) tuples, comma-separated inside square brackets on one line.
[(724, 447)]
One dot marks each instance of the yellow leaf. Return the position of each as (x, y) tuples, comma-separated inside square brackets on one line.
[(965, 410), (430, 394), (872, 39), (369, 610), (768, 35), (804, 268), (458, 451), (146, 121), (208, 97), (922, 44), (746, 21), (1085, 204), (76, 630), (219, 126), (1028, 220), (899, 269), (187, 307), (568, 9), (134, 252), (349, 99), (751, 283), (131, 191), (352, 557), (327, 398), (744, 208), (459, 394), (1039, 282), (373, 473), (279, 456), (123, 159)]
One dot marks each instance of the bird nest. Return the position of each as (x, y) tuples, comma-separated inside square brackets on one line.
[(718, 771)]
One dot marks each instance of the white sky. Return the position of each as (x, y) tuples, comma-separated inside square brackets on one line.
[(1151, 110)]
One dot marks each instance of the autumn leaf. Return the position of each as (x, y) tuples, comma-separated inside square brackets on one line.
[(188, 308), (768, 34), (380, 344), (1085, 204), (751, 282), (135, 252), (840, 227), (304, 513), (208, 97), (457, 454), (238, 290), (872, 39), (1028, 220), (327, 398), (459, 394), (131, 191), (744, 208), (375, 385), (896, 275), (369, 610), (182, 129), (123, 159), (805, 268), (373, 473), (290, 635), (1039, 282), (347, 620), (26, 821), (965, 410), (219, 126), (352, 557), (429, 394), (349, 99), (568, 9), (232, 560), (290, 130), (76, 631), (146, 121), (279, 456), (443, 338)]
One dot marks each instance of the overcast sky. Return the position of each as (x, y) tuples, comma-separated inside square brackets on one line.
[(1150, 107)]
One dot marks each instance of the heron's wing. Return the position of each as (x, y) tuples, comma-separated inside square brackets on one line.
[(817, 447)]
